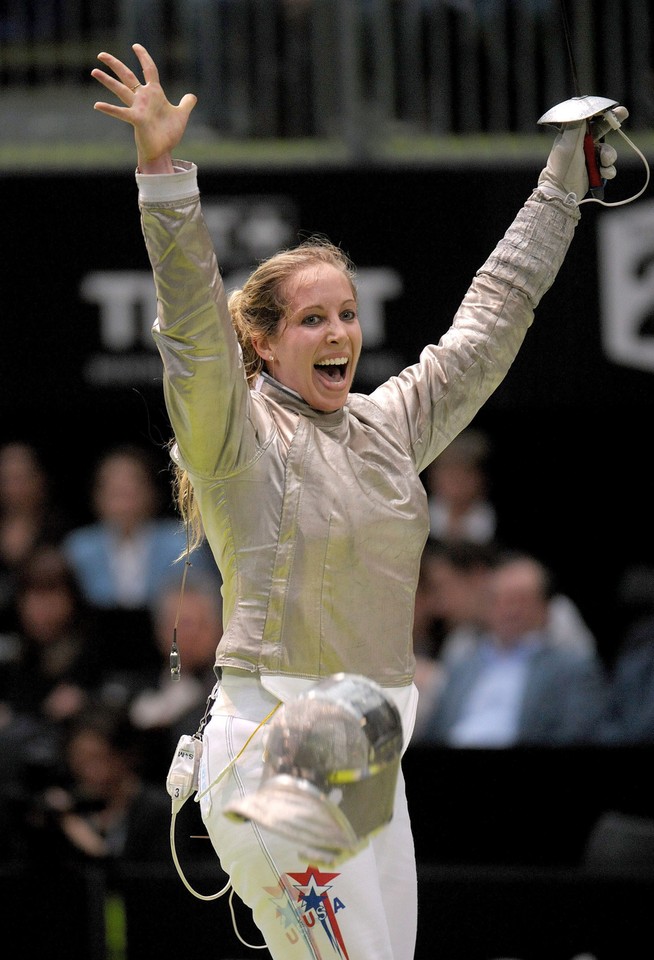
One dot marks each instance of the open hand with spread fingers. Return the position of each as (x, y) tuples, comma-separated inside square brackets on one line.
[(159, 125)]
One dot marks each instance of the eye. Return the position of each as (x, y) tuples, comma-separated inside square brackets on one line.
[(312, 320), (348, 315)]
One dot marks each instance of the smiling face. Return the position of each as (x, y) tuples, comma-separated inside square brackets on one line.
[(317, 347)]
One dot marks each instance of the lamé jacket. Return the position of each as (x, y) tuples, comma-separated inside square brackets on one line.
[(317, 520)]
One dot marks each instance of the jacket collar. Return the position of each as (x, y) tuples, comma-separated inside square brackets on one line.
[(291, 400)]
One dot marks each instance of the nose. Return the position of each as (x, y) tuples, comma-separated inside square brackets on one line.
[(337, 330)]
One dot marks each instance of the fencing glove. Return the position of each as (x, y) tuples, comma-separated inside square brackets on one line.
[(565, 175)]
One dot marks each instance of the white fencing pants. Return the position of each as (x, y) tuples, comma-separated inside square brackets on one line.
[(365, 908)]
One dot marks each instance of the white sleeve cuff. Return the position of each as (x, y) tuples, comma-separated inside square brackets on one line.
[(169, 187)]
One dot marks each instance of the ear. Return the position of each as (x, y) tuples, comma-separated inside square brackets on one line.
[(263, 348)]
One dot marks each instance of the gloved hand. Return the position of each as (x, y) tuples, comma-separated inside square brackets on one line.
[(566, 171)]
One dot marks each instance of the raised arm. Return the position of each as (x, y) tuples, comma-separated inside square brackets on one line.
[(158, 124)]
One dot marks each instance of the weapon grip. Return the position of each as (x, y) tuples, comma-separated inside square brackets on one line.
[(594, 178)]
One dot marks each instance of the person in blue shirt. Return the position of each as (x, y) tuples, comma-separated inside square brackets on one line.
[(122, 558), (517, 685)]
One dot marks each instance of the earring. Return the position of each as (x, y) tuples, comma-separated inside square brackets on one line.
[(272, 357)]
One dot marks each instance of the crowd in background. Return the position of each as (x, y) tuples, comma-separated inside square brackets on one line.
[(89, 608), (89, 715)]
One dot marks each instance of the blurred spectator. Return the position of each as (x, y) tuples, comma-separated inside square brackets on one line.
[(28, 515), (462, 578), (132, 546), (515, 686), (634, 597), (457, 484), (129, 552), (452, 606), (461, 581), (629, 715), (166, 709), (50, 666), (450, 610), (54, 661), (99, 807)]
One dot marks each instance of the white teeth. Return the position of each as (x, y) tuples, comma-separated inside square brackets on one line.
[(338, 362)]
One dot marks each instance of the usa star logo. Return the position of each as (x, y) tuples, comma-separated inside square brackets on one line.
[(314, 905)]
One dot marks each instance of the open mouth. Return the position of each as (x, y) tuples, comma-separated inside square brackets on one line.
[(332, 370)]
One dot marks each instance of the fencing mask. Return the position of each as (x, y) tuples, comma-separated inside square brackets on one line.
[(331, 760)]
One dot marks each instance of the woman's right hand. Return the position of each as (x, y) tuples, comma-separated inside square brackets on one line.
[(158, 124)]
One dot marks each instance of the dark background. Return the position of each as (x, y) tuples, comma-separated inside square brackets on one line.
[(570, 430)]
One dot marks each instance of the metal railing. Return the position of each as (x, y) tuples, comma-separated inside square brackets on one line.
[(350, 68)]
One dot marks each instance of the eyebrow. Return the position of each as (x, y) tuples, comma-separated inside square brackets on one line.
[(320, 306)]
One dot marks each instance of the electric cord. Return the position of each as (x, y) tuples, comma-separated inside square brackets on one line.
[(181, 787), (180, 797)]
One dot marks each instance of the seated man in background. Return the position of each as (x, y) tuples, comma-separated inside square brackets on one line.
[(516, 686)]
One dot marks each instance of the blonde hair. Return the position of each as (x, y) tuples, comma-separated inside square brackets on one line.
[(256, 312)]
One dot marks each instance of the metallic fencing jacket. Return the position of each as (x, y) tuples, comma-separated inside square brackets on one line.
[(317, 520)]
